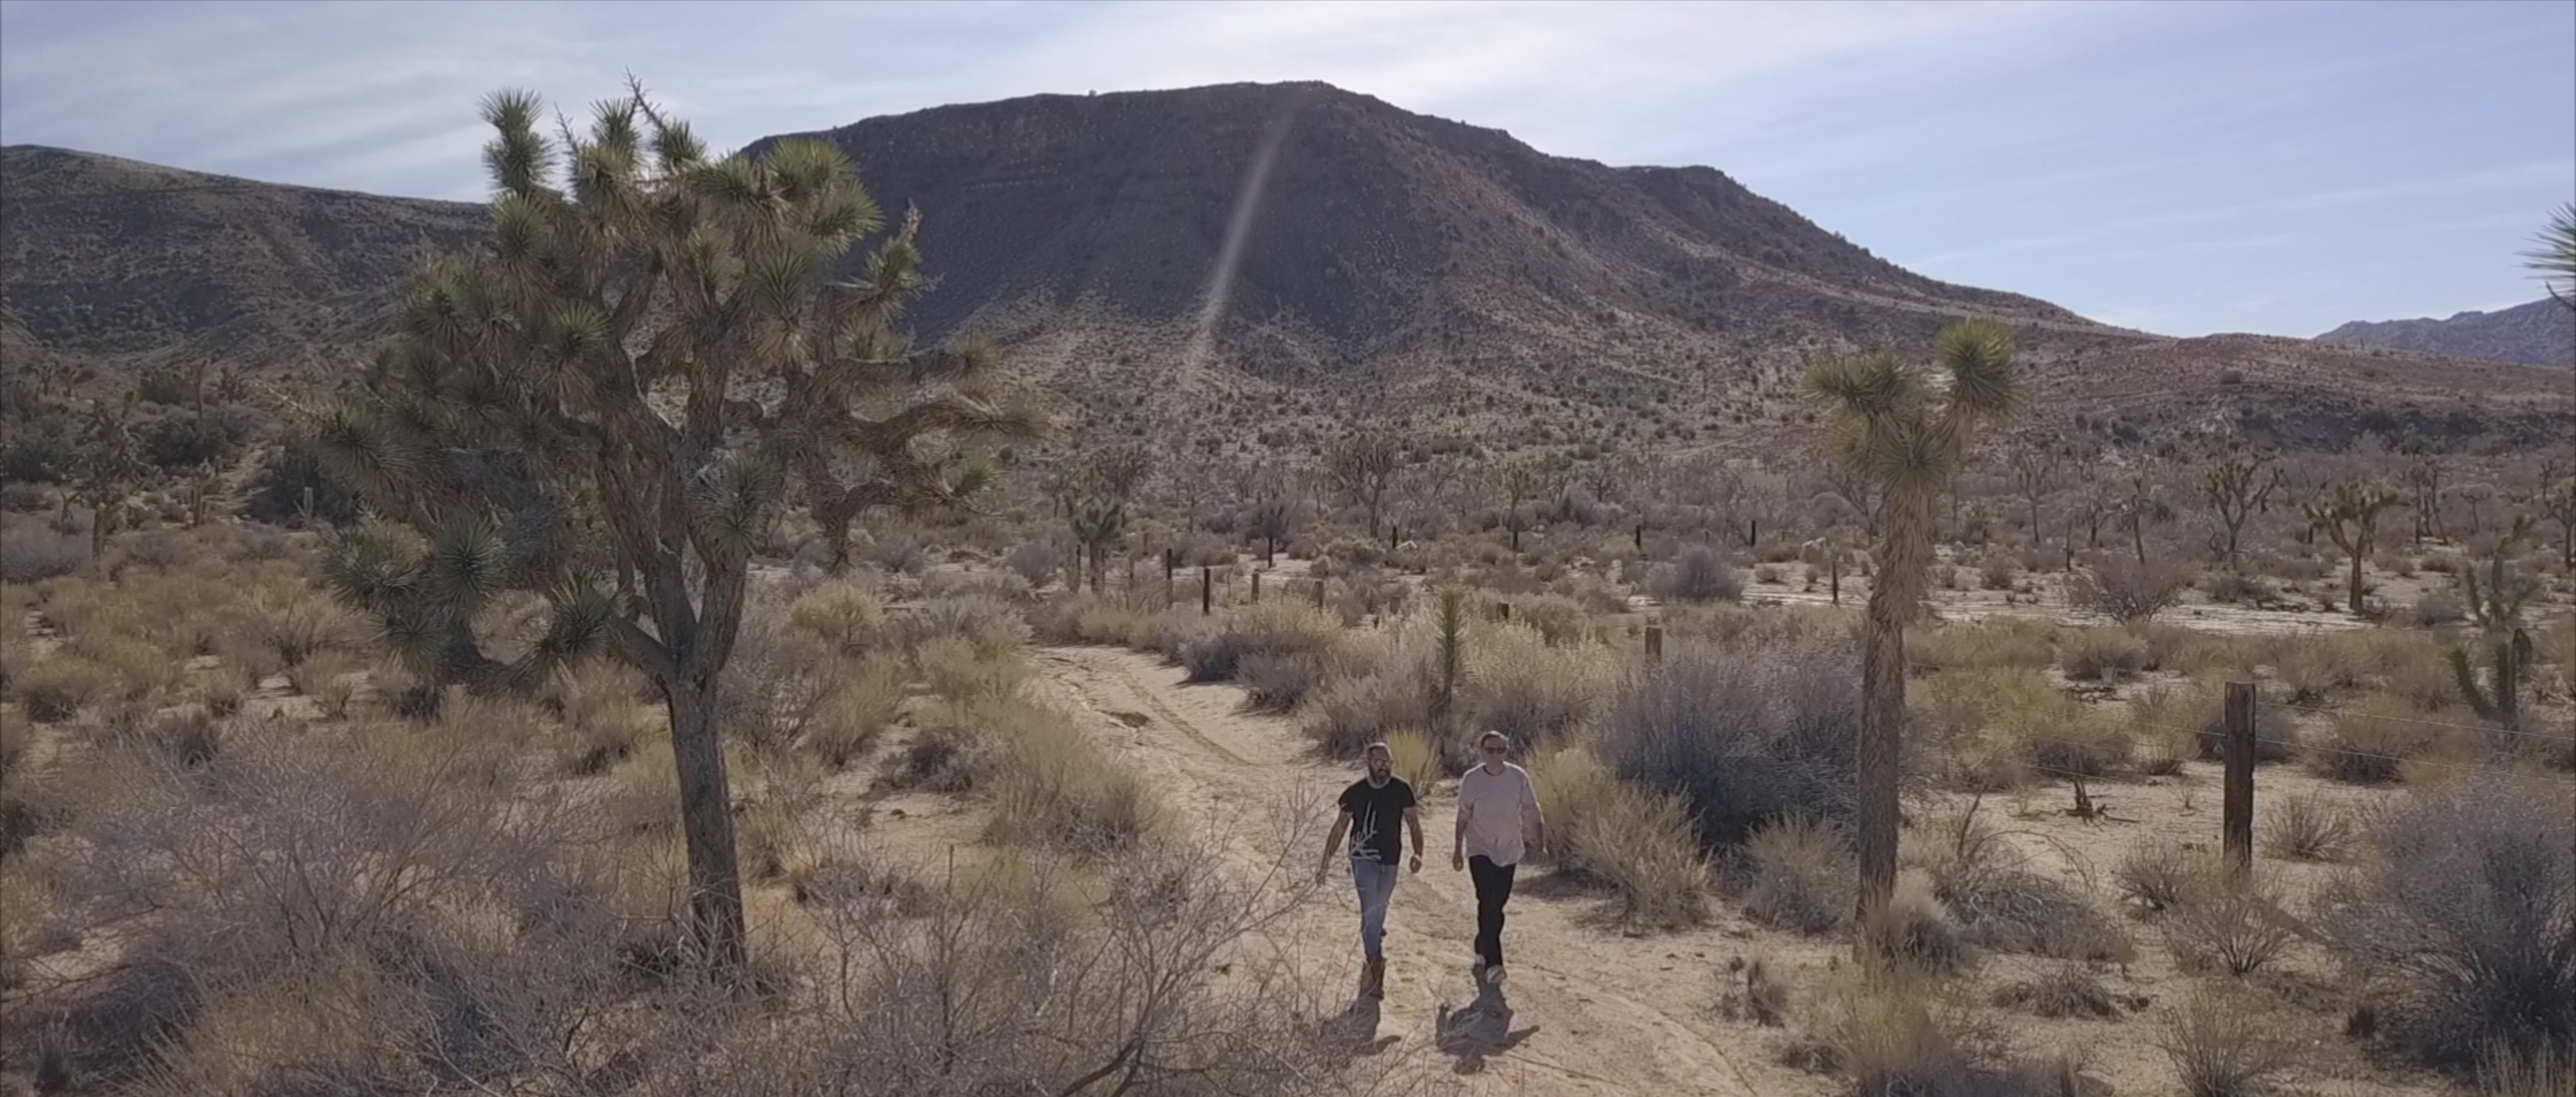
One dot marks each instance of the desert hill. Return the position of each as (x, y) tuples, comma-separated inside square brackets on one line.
[(2541, 333), (1393, 264)]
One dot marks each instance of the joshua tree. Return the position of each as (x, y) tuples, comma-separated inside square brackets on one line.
[(2555, 258), (1092, 495), (605, 407), (1364, 467), (2495, 605), (1907, 433), (106, 462), (2237, 484), (2555, 498), (2034, 461), (2423, 478), (2142, 504), (1518, 482), (2349, 514)]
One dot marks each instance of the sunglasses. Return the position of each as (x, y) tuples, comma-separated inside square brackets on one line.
[(1493, 750)]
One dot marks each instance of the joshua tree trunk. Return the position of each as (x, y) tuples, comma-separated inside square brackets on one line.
[(706, 822), (2355, 590)]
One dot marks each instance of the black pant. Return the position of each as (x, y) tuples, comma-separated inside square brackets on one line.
[(1493, 889)]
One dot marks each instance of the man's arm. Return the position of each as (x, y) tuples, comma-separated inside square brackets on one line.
[(1458, 841), (1341, 826), (1413, 822), (1531, 815)]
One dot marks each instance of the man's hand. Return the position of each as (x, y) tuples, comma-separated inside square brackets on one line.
[(1457, 860), (1416, 867)]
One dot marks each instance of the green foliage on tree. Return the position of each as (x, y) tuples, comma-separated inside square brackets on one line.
[(2349, 515), (604, 408)]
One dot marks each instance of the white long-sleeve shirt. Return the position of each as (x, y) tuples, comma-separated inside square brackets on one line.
[(1497, 807)]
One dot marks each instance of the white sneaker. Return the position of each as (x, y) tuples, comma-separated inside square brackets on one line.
[(1494, 975)]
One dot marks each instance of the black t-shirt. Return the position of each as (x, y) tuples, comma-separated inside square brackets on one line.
[(1377, 816)]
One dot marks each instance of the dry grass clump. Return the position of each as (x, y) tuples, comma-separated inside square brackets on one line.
[(1092, 619), (2064, 990), (1896, 1031), (1054, 789), (604, 710), (2160, 876), (1278, 682), (2007, 726), (2459, 927), (1636, 843), (1417, 760), (1799, 874), (1272, 628), (56, 688), (2224, 926), (1982, 645), (864, 700), (991, 625), (954, 667), (843, 619), (2313, 668), (2199, 709), (2222, 1047), (2103, 654), (1699, 574), (1374, 685), (2309, 828), (2371, 743)]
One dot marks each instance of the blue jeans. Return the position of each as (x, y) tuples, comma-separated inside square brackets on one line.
[(1376, 884)]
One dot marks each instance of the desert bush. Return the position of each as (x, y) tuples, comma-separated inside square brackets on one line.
[(1913, 929), (1351, 711), (1799, 874), (2161, 876), (2460, 926), (2199, 708), (2013, 910), (2313, 667), (1638, 844), (1893, 1031), (2238, 588), (2124, 590), (1518, 685), (954, 668), (1278, 682), (604, 709), (1559, 620), (161, 548), (2236, 928), (1418, 760), (2438, 609), (2064, 990), (865, 698), (843, 619), (1767, 574), (2221, 1048), (992, 625), (56, 688), (1055, 789), (2103, 654), (1742, 738), (30, 555), (2308, 828), (1699, 574), (1981, 645), (1273, 628), (2370, 743), (2001, 726), (1995, 568), (1038, 562)]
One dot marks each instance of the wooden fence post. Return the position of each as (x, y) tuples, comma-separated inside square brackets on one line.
[(1319, 594), (1834, 569), (1654, 643), (2237, 824), (1503, 612), (1256, 588), (1207, 590)]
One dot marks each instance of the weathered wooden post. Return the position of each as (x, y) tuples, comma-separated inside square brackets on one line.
[(1834, 572), (1319, 594), (1207, 590), (2237, 823), (1256, 588), (1654, 643)]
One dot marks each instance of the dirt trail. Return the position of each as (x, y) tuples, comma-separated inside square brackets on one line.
[(1585, 1010)]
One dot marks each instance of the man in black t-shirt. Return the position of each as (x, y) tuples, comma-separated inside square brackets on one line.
[(1371, 808)]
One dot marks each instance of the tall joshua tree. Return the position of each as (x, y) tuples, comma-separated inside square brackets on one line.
[(1907, 431), (606, 405), (2349, 514)]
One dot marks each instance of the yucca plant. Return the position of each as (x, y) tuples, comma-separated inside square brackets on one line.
[(607, 405), (1908, 431), (2496, 604)]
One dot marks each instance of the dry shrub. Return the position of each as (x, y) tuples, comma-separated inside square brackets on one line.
[(603, 707), (1351, 711), (1742, 738), (991, 625), (1278, 682), (2199, 709), (2013, 910), (1272, 628), (2004, 725), (1981, 645), (2162, 875), (1799, 874), (1037, 562), (2313, 667), (1054, 789), (1517, 684), (1638, 844), (2225, 926), (2222, 1047), (866, 697), (1913, 929), (955, 668), (843, 619), (56, 688), (2370, 743), (2103, 654), (2121, 588), (2549, 1072), (2308, 828), (1559, 620), (2460, 926), (30, 555), (1091, 619), (2235, 587), (1895, 1031), (1750, 992), (2064, 990), (1698, 574)]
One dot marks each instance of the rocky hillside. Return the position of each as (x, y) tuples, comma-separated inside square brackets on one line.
[(2542, 333), (1383, 263)]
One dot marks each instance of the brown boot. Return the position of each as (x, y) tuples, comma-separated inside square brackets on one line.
[(1373, 980)]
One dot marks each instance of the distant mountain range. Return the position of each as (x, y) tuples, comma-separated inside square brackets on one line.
[(1391, 265), (2542, 333)]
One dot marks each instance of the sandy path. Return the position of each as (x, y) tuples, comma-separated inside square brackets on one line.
[(1586, 1011)]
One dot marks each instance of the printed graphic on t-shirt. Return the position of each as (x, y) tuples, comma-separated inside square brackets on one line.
[(1376, 814)]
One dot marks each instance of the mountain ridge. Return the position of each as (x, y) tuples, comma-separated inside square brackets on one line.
[(2538, 333)]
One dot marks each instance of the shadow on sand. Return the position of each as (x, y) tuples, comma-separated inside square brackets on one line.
[(1354, 1030), (1479, 1029)]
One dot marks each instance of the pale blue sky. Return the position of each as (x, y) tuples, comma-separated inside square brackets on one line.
[(2193, 167)]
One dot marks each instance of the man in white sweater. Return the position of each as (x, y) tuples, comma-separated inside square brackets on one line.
[(1498, 821)]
